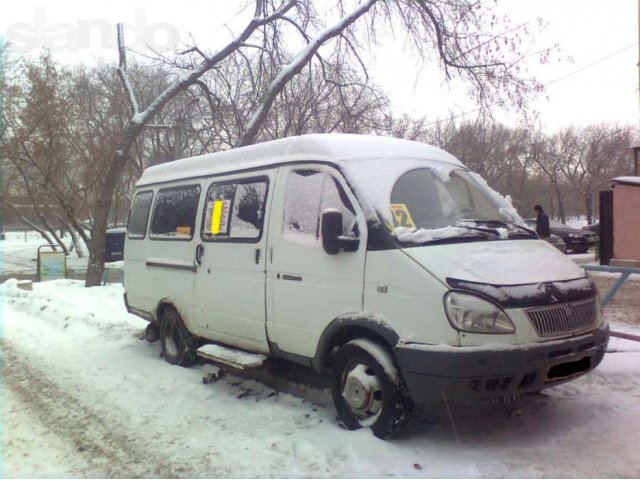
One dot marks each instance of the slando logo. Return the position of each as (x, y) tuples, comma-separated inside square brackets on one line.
[(89, 34)]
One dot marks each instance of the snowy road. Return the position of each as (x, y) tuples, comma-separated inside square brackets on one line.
[(84, 396), (71, 426)]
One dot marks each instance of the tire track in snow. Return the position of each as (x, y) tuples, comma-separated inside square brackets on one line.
[(110, 449)]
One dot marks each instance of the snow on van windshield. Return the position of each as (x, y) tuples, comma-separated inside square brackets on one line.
[(422, 235), (421, 200), (506, 202)]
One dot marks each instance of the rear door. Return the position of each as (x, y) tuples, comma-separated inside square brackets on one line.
[(308, 288), (160, 262), (135, 253), (230, 283)]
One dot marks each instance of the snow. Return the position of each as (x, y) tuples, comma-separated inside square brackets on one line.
[(381, 356), (628, 180), (422, 235), (85, 396), (340, 149), (18, 253), (503, 233), (531, 290), (371, 164), (507, 209), (374, 178), (232, 356), (297, 64), (516, 262)]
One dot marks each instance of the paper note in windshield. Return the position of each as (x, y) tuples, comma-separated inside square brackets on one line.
[(401, 216), (218, 213)]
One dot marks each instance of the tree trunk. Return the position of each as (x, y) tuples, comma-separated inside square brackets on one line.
[(95, 268), (76, 242), (588, 200), (120, 157), (560, 199), (58, 240), (74, 238)]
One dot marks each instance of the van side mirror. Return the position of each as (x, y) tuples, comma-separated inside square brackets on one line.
[(332, 239)]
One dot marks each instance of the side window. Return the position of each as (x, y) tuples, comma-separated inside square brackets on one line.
[(308, 193), (235, 210), (174, 214), (139, 215)]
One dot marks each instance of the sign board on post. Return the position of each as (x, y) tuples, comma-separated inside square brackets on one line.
[(51, 265)]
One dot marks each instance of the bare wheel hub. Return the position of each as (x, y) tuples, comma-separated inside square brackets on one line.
[(362, 391)]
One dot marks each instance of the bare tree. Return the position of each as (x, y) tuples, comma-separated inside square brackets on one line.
[(34, 147), (265, 12), (159, 117), (60, 124), (3, 70), (553, 153), (600, 155)]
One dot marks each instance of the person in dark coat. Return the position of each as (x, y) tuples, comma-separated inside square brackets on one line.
[(542, 222)]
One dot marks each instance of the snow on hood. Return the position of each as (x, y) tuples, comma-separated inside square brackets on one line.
[(511, 262)]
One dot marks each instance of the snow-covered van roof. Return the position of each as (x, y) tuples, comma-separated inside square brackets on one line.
[(333, 148)]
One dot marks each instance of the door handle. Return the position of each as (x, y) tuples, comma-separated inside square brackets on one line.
[(199, 254), (294, 278), (257, 258)]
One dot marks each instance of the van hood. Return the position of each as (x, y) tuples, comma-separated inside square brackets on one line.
[(502, 262)]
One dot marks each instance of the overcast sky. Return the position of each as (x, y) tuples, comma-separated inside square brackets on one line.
[(600, 85)]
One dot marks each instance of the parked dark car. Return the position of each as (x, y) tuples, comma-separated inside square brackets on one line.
[(114, 246), (593, 231), (577, 241), (557, 242), (595, 228)]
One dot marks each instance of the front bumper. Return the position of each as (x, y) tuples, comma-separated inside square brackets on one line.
[(434, 373)]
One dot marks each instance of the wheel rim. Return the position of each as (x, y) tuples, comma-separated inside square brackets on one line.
[(362, 392)]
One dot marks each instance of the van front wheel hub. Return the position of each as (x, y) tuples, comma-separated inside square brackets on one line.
[(362, 391), (367, 388)]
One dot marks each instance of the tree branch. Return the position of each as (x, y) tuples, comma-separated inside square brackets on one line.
[(293, 68), (122, 71)]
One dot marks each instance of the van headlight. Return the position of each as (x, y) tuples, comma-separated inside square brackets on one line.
[(469, 313), (599, 315)]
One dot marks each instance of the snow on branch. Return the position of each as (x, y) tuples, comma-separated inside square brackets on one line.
[(209, 62), (122, 71), (295, 66)]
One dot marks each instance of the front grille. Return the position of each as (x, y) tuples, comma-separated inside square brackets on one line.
[(563, 319)]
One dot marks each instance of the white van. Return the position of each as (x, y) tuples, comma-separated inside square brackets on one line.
[(382, 262)]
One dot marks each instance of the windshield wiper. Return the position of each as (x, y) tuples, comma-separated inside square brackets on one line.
[(448, 234), (504, 223), (492, 231)]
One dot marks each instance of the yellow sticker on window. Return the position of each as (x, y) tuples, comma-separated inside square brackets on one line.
[(183, 230), (219, 216), (401, 216)]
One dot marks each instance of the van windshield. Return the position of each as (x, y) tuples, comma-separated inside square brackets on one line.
[(429, 205)]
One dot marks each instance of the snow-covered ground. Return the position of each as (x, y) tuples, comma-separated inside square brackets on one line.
[(577, 222), (18, 253), (85, 396)]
